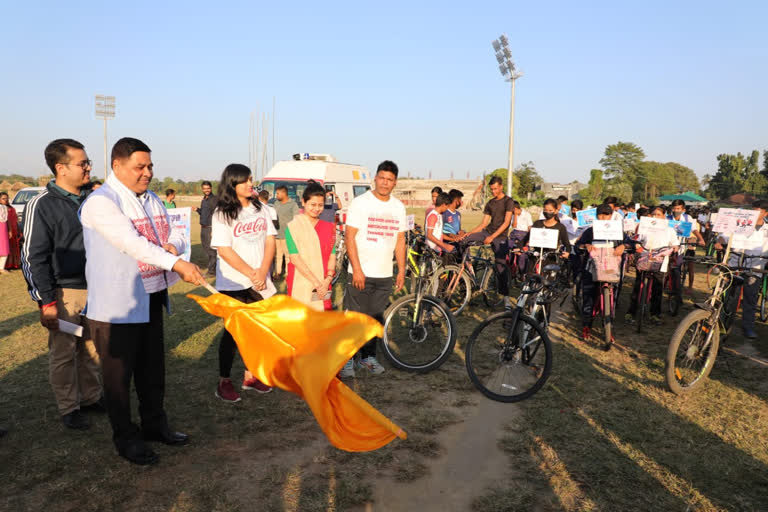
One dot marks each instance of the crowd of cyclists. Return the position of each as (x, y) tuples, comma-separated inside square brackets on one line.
[(669, 258)]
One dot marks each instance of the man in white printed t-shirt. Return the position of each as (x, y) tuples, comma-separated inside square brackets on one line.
[(376, 226)]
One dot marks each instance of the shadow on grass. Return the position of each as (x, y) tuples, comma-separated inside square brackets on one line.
[(602, 445)]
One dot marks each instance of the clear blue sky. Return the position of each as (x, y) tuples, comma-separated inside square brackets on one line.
[(414, 82)]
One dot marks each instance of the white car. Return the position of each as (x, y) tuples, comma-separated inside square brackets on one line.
[(24, 196)]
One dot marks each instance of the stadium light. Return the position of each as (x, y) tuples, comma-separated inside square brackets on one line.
[(510, 74), (105, 109)]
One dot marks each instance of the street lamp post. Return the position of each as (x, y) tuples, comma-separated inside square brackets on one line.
[(105, 109), (510, 74)]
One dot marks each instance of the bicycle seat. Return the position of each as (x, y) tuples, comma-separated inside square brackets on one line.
[(533, 284)]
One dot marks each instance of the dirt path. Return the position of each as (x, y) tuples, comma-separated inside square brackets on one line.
[(471, 461)]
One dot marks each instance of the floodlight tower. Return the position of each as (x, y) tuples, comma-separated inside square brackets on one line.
[(510, 74), (105, 109)]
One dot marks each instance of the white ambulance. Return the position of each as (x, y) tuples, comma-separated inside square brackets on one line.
[(347, 181)]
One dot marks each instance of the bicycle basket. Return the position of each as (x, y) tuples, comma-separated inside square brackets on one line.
[(651, 261), (606, 266)]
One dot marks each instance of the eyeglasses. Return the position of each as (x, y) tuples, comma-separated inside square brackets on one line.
[(84, 164)]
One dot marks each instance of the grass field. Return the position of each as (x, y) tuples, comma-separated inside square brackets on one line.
[(603, 434)]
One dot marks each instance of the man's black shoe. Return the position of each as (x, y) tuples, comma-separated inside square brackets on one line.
[(167, 437), (75, 420), (99, 406), (3, 432), (139, 453)]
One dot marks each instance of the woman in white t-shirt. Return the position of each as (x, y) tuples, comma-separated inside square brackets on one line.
[(244, 238)]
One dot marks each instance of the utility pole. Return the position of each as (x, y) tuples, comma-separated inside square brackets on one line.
[(105, 109)]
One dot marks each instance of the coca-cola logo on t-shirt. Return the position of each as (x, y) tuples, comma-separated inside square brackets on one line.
[(251, 228)]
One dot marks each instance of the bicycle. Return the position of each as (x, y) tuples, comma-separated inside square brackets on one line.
[(557, 285), (457, 284), (607, 273), (693, 347), (648, 267), (419, 329), (509, 355)]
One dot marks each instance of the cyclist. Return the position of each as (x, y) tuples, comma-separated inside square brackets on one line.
[(614, 203), (678, 213), (755, 244), (589, 291), (497, 217), (521, 224), (434, 228), (551, 221), (667, 238)]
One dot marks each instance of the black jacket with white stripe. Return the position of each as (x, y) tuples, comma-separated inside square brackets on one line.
[(53, 254)]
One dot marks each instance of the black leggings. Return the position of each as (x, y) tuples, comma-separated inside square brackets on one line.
[(227, 345)]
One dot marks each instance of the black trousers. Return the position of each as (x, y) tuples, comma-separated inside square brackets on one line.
[(500, 250), (133, 352), (371, 300), (211, 254), (227, 345)]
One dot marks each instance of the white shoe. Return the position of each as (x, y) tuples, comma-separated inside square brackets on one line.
[(372, 365), (348, 372)]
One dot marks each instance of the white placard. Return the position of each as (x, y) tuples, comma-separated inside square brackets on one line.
[(543, 238), (181, 219), (652, 226), (732, 220), (630, 225), (607, 230), (70, 328), (747, 243), (411, 221)]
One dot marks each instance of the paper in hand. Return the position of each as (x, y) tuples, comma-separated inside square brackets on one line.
[(70, 328)]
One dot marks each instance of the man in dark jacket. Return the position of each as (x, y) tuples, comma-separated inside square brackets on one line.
[(207, 205), (53, 262)]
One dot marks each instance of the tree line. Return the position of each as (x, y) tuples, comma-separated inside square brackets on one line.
[(625, 173)]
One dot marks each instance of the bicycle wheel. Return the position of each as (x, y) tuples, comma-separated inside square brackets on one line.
[(490, 287), (452, 286), (418, 337), (691, 353), (643, 297), (508, 363), (607, 316), (673, 298)]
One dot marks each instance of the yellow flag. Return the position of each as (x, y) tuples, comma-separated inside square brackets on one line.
[(287, 345)]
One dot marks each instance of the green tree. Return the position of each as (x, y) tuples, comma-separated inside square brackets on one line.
[(621, 162), (526, 179), (731, 176), (502, 173), (595, 189), (685, 178)]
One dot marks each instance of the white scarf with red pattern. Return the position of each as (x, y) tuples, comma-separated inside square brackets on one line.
[(154, 228)]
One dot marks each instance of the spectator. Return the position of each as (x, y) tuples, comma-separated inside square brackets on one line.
[(170, 195), (452, 231), (311, 248), (207, 205), (54, 265), (95, 184), (435, 191), (286, 209), (332, 205), (434, 227), (244, 238), (376, 226), (126, 225), (14, 235)]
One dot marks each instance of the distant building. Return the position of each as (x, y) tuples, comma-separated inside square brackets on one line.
[(570, 190)]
